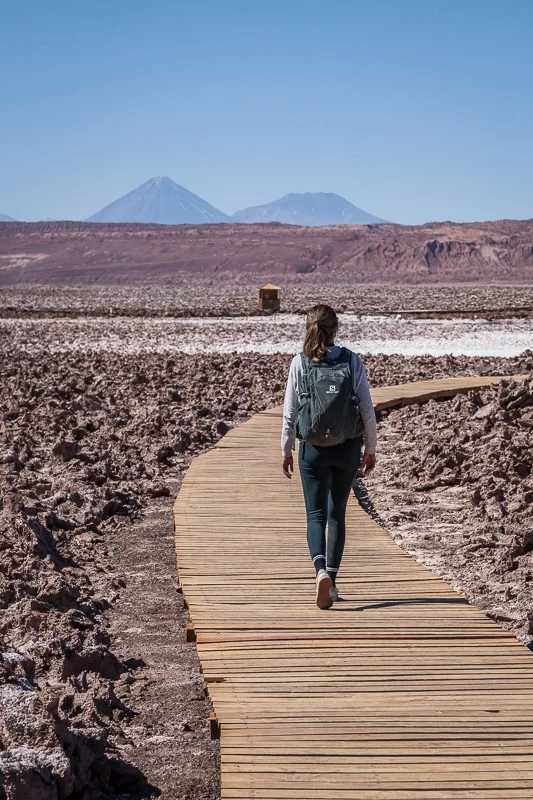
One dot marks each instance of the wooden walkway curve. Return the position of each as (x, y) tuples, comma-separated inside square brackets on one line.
[(403, 691)]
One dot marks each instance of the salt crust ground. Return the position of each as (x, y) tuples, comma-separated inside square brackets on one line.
[(454, 487), (282, 333)]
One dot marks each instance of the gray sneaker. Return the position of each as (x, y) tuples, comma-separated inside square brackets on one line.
[(334, 594)]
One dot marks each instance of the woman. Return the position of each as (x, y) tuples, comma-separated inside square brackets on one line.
[(327, 470)]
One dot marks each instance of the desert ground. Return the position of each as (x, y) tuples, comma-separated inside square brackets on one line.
[(240, 300), (111, 254), (102, 412)]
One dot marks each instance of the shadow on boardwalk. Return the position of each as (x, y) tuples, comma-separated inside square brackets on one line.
[(449, 601), (363, 498)]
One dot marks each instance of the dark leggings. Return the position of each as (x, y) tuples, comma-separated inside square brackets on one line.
[(327, 475)]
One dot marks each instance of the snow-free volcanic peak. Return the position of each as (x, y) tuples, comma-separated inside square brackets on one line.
[(163, 201), (309, 208)]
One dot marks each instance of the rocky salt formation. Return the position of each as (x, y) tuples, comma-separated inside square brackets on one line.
[(84, 447), (88, 443), (454, 485), (386, 370)]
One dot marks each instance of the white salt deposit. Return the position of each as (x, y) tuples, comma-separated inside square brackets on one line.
[(280, 333)]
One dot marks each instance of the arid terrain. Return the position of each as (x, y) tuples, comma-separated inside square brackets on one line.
[(454, 486), (97, 253), (240, 300), (100, 695)]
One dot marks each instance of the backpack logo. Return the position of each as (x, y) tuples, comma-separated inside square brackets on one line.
[(332, 389)]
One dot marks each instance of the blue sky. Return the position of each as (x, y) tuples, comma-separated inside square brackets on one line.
[(415, 110)]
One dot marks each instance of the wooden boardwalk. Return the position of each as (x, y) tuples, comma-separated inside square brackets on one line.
[(402, 691)]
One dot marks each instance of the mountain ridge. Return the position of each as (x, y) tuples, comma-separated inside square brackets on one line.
[(311, 209), (81, 253), (162, 201)]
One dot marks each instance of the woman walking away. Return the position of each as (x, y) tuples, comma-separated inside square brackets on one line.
[(329, 408)]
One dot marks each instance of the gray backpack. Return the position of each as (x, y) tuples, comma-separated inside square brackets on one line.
[(328, 413)]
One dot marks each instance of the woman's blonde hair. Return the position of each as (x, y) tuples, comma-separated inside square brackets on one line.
[(322, 324)]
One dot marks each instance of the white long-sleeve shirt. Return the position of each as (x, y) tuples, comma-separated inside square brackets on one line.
[(360, 387)]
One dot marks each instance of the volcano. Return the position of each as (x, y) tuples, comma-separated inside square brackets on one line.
[(161, 201)]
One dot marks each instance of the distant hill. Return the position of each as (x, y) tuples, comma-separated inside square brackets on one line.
[(77, 253), (5, 218), (310, 208), (160, 201)]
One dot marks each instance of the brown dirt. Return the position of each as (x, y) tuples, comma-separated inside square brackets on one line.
[(169, 740), (88, 253)]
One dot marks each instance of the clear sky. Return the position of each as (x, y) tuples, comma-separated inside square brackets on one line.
[(414, 110)]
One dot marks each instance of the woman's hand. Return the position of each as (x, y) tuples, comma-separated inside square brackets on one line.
[(369, 462), (287, 465)]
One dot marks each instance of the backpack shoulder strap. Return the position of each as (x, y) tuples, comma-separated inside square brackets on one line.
[(352, 373), (304, 384), (345, 356)]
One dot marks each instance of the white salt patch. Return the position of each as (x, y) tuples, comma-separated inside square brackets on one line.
[(280, 333)]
